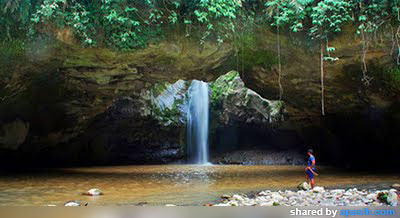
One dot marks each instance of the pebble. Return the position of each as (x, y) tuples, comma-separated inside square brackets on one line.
[(319, 196), (72, 204)]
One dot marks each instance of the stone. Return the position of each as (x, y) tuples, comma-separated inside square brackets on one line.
[(222, 204), (317, 197), (337, 191), (226, 196), (276, 197), (371, 196), (238, 198), (250, 203), (267, 204), (328, 202), (392, 198), (396, 186), (375, 203), (234, 203), (304, 186), (94, 192), (366, 200), (264, 193), (347, 193), (318, 189), (72, 204)]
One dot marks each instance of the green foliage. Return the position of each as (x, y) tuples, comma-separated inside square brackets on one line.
[(15, 17), (394, 73), (288, 12), (328, 16), (115, 23), (125, 24), (371, 16), (218, 17)]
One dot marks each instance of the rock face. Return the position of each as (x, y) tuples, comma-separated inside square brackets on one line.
[(162, 109), (147, 126), (71, 104), (244, 126), (235, 104), (13, 134)]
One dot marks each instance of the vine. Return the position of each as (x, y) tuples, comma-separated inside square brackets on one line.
[(327, 17), (371, 17), (285, 12)]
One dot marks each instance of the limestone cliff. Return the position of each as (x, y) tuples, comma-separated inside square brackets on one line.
[(63, 100)]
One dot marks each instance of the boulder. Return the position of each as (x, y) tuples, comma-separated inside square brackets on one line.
[(233, 103)]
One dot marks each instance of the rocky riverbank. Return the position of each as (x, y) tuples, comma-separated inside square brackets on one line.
[(314, 197)]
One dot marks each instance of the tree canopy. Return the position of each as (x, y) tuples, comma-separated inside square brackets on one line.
[(126, 24)]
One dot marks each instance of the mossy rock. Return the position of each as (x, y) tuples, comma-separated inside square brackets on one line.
[(232, 102), (167, 102)]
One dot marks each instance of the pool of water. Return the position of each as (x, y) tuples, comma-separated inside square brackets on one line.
[(168, 184)]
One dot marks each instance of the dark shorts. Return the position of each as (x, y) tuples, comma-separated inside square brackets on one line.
[(310, 174)]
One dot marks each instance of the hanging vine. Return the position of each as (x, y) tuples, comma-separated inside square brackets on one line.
[(326, 17), (372, 16), (285, 12)]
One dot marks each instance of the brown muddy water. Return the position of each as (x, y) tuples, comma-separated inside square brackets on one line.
[(168, 184)]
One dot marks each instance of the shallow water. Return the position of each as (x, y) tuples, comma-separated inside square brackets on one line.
[(164, 184)]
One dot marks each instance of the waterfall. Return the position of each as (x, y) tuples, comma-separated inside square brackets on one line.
[(197, 122)]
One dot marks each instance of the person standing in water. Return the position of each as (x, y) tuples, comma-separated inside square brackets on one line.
[(310, 169)]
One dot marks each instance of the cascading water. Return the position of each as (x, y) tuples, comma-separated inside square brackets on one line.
[(197, 122)]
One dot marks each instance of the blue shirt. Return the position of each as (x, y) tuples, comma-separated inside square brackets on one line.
[(310, 160)]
